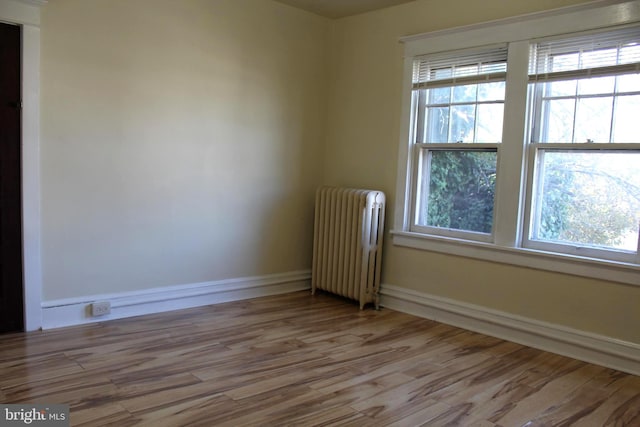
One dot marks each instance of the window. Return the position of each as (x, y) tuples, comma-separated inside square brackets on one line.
[(585, 197), (526, 149), (459, 103)]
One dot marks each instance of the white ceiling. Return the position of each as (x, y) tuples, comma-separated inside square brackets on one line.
[(341, 8)]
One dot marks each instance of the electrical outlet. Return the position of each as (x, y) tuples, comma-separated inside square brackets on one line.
[(100, 308)]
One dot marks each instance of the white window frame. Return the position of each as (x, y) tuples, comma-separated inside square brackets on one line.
[(515, 157), (493, 60), (538, 145)]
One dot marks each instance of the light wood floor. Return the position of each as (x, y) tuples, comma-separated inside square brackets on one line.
[(301, 360)]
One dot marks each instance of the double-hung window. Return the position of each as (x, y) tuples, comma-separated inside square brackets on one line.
[(458, 100), (585, 142), (523, 143)]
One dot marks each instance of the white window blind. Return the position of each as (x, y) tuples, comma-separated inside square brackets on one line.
[(588, 55), (460, 67)]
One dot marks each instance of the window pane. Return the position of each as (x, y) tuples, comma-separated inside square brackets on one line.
[(491, 91), (490, 122), (557, 122), (462, 123), (589, 198), (593, 119), (465, 93), (593, 110), (437, 124), (461, 186), (441, 95), (625, 126), (629, 83), (561, 88), (596, 85)]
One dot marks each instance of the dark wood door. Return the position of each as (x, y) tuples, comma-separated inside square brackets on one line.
[(11, 289)]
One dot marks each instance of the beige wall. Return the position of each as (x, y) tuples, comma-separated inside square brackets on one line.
[(180, 141), (361, 150)]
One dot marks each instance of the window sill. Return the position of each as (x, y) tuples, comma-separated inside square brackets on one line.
[(580, 266)]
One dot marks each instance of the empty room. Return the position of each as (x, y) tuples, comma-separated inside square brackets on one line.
[(320, 212)]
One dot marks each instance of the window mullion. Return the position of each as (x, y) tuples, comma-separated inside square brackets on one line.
[(511, 155)]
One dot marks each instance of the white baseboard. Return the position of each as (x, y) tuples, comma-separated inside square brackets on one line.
[(77, 311), (598, 349)]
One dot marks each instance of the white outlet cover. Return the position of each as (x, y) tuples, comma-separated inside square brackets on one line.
[(100, 308)]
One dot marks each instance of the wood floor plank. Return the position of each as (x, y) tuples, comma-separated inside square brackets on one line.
[(413, 414), (75, 389), (621, 408), (27, 370), (301, 360), (339, 416), (107, 414), (131, 387), (547, 397), (200, 411), (277, 408)]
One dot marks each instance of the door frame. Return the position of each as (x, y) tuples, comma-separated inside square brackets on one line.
[(26, 13)]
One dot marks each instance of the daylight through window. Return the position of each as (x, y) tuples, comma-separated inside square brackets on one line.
[(459, 98), (568, 185), (586, 102)]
